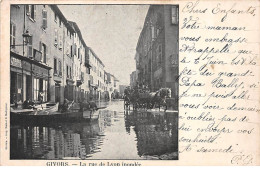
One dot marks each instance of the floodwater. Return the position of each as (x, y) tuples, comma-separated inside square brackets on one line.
[(117, 134)]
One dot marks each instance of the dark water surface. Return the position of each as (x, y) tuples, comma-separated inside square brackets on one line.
[(118, 134)]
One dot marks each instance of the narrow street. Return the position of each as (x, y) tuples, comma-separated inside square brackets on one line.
[(117, 134)]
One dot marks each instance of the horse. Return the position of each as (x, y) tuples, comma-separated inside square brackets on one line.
[(88, 105), (134, 96), (145, 98), (126, 101), (160, 98)]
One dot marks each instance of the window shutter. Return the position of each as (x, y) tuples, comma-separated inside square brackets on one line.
[(30, 51), (175, 15), (75, 49), (27, 9), (60, 41), (40, 49), (71, 50), (46, 54), (34, 12), (14, 30), (56, 37), (152, 32), (44, 19), (55, 65), (40, 46)]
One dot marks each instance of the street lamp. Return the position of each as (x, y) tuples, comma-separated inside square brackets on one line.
[(26, 37), (26, 40)]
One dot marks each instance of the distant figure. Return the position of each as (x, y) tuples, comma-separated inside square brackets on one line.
[(84, 105), (28, 104), (40, 97), (92, 105), (65, 105), (13, 100)]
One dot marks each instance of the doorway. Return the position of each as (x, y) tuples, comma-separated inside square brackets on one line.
[(57, 92), (28, 87)]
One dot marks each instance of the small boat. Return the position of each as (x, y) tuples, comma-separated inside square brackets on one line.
[(44, 111), (49, 113), (47, 109)]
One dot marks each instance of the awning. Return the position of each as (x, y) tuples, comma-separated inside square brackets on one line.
[(32, 61)]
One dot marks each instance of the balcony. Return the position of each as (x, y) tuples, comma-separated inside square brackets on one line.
[(57, 73), (87, 64), (81, 80)]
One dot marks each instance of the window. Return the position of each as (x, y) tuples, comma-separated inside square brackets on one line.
[(42, 88), (19, 87), (70, 73), (68, 49), (31, 11), (43, 50), (55, 68), (56, 37), (175, 18), (75, 48), (29, 47), (67, 71), (45, 87), (79, 53), (35, 89), (152, 32), (12, 35), (60, 41), (60, 72), (158, 24), (44, 19)]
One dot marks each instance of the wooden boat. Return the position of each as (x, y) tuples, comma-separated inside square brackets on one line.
[(39, 112), (42, 109), (48, 113), (47, 109)]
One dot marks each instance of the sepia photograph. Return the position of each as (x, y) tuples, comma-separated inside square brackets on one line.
[(94, 82)]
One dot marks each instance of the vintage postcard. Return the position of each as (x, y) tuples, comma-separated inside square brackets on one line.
[(130, 83)]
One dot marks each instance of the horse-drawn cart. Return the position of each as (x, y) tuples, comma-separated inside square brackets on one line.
[(143, 99)]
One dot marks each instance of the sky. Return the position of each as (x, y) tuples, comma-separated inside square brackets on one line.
[(112, 31)]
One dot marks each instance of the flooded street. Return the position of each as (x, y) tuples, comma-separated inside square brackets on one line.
[(117, 134)]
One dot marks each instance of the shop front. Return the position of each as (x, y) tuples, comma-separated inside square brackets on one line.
[(29, 78)]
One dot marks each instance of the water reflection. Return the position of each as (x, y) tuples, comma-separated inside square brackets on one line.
[(157, 133), (55, 142), (116, 135)]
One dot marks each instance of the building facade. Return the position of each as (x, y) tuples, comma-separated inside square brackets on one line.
[(97, 76), (157, 49), (31, 66), (78, 50), (50, 59), (133, 79)]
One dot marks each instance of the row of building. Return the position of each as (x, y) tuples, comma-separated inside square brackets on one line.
[(157, 50), (48, 56)]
